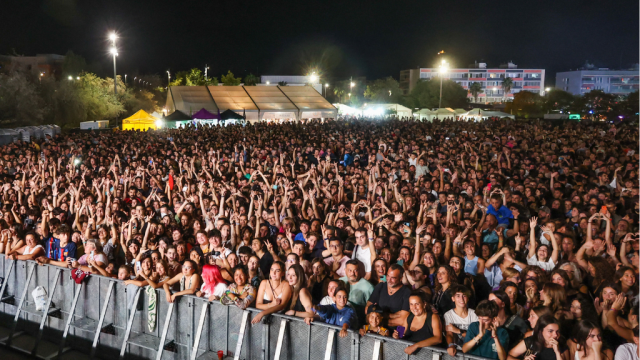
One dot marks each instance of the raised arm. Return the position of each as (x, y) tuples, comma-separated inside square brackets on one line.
[(532, 237)]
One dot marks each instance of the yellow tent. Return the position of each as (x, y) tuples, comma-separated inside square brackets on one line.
[(139, 121)]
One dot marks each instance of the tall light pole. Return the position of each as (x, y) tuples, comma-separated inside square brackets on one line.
[(169, 76), (205, 71), (326, 87), (351, 85), (114, 52), (125, 78), (443, 70)]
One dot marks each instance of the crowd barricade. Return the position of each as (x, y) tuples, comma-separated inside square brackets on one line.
[(103, 318)]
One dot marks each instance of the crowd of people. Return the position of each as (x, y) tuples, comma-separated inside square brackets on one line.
[(500, 239)]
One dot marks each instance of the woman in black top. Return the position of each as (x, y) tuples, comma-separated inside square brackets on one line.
[(445, 277), (544, 344), (421, 327)]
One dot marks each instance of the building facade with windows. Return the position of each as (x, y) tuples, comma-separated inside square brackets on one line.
[(617, 82), (490, 78)]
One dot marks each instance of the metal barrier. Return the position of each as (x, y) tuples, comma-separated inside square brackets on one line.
[(103, 318)]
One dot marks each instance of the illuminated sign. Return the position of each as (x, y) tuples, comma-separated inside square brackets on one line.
[(574, 116)]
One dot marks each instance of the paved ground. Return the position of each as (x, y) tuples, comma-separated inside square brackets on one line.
[(10, 354)]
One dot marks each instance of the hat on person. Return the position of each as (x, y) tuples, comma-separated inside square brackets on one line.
[(79, 275), (545, 209)]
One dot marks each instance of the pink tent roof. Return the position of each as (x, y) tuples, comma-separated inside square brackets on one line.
[(203, 114)]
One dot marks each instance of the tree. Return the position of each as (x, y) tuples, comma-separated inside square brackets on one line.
[(98, 99), (426, 94), (339, 92), (193, 77), (526, 104), (559, 100), (385, 90), (507, 84), (251, 80), (629, 106), (475, 89), (73, 65), (230, 80), (599, 103), (21, 100)]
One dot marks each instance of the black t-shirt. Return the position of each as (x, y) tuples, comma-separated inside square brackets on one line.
[(390, 303), (265, 264), (544, 354)]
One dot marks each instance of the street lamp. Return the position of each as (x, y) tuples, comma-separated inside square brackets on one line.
[(125, 78), (70, 77), (77, 77), (313, 78), (169, 76), (443, 69), (326, 87), (205, 71), (114, 52)]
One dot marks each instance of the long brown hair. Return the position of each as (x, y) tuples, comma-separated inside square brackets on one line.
[(604, 270), (557, 294), (453, 279)]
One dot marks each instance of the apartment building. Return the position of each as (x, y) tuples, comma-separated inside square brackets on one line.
[(489, 78)]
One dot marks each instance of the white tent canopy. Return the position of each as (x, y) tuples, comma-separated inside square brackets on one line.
[(423, 114), (190, 99), (309, 102), (236, 99), (479, 114), (443, 113), (255, 102)]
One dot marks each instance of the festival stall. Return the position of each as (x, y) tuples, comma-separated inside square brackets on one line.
[(140, 121), (204, 117), (229, 117), (176, 120)]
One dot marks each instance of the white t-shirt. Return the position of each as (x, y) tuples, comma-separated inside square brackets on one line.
[(546, 266), (363, 255), (451, 318), (627, 352), (218, 290)]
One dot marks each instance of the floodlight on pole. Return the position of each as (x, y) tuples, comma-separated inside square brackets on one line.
[(70, 77), (443, 69), (114, 52), (313, 78)]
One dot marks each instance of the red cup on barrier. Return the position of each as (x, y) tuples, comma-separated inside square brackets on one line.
[(220, 354)]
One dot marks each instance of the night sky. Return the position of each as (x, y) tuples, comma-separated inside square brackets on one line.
[(344, 38)]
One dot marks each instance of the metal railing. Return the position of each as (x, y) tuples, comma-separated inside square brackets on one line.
[(104, 318)]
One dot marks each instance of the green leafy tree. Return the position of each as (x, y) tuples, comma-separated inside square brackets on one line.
[(230, 80), (629, 106), (251, 80), (98, 99), (526, 104), (601, 103), (559, 100), (20, 99), (73, 65), (339, 92), (475, 89), (385, 90), (426, 94), (507, 85)]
